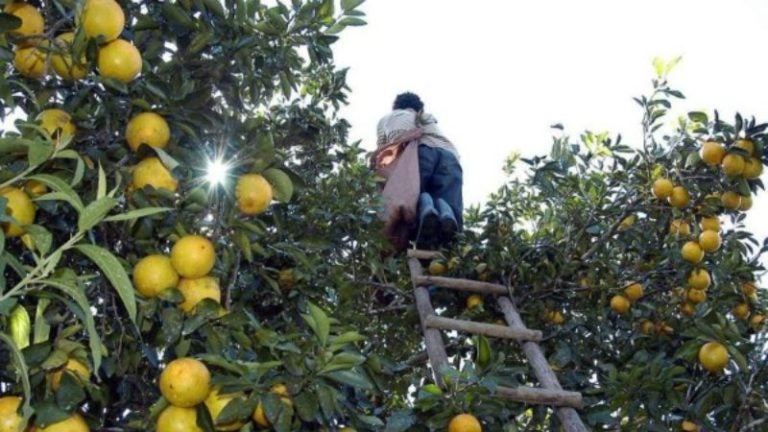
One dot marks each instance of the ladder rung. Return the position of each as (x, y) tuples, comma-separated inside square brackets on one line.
[(499, 331), (541, 396), (424, 254), (461, 284)]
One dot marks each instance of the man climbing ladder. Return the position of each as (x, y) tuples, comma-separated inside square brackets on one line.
[(432, 162)]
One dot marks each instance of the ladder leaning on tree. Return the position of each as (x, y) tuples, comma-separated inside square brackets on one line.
[(550, 393)]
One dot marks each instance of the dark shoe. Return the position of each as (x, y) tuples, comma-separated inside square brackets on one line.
[(448, 224), (429, 222)]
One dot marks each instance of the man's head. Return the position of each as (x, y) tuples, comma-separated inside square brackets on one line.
[(408, 100)]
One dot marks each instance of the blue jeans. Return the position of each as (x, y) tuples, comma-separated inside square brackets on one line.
[(442, 177)]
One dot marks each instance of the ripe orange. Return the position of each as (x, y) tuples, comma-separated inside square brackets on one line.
[(121, 60), (746, 203), (662, 188), (731, 200), (689, 426), (745, 145), (687, 309), (748, 288), (741, 311), (216, 403), (646, 326), (753, 168), (253, 193), (733, 165), (474, 301), (696, 296), (259, 416), (757, 321), (147, 128), (57, 122), (633, 291), (35, 189), (628, 221), (74, 423), (699, 279), (193, 256), (710, 240), (710, 223), (185, 382), (9, 415), (464, 423), (692, 252), (196, 290), (712, 153), (103, 18), (713, 356), (62, 61), (154, 274), (285, 279), (620, 304), (555, 317), (30, 62), (76, 368), (436, 267), (178, 419), (20, 207), (151, 172), (32, 22), (679, 197), (679, 227)]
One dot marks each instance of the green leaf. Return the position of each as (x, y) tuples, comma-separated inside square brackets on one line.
[(350, 378), (39, 152), (101, 190), (348, 5), (41, 238), (116, 274), (281, 184), (138, 213), (322, 323), (42, 330), (95, 213), (23, 373), (9, 22), (166, 159), (65, 191)]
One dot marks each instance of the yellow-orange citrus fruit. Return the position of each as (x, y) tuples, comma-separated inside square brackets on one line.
[(710, 240), (746, 203), (692, 252), (620, 304), (32, 22), (679, 197), (285, 279), (710, 223), (103, 18), (699, 279), (9, 415), (473, 301), (62, 61), (154, 274), (464, 423), (733, 165), (713, 356), (646, 326), (555, 317), (712, 153), (687, 309), (633, 291), (57, 122), (745, 145), (689, 426), (259, 416), (151, 172), (185, 382), (280, 390), (30, 62), (662, 188), (196, 290), (147, 128), (741, 311), (216, 403), (74, 423), (663, 328), (20, 207), (193, 256), (731, 200), (757, 321), (748, 288), (628, 221), (119, 59), (253, 193), (696, 296), (76, 368), (35, 189), (680, 228), (347, 429), (436, 267), (753, 168), (178, 419)]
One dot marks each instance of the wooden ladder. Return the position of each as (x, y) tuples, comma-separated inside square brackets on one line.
[(550, 393)]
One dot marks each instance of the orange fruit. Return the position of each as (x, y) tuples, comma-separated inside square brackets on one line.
[(147, 128), (9, 413), (741, 311), (30, 62), (185, 382), (20, 207), (731, 200), (628, 221), (120, 60), (62, 61), (753, 168), (687, 309), (285, 279), (733, 165), (757, 321), (662, 188), (679, 197), (620, 304), (178, 419), (696, 296), (154, 274), (57, 122), (713, 356), (103, 18), (216, 403), (74, 423), (474, 301), (689, 426), (646, 326), (748, 288), (151, 172), (196, 290), (436, 267), (555, 317), (692, 252), (699, 279), (32, 22), (75, 367), (253, 193), (35, 189), (193, 256), (679, 227), (464, 423), (746, 203), (712, 153), (633, 291), (710, 240), (745, 145), (710, 223)]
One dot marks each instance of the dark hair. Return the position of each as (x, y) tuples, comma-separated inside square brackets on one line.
[(408, 100)]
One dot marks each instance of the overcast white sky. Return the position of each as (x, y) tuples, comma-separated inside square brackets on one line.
[(498, 73)]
